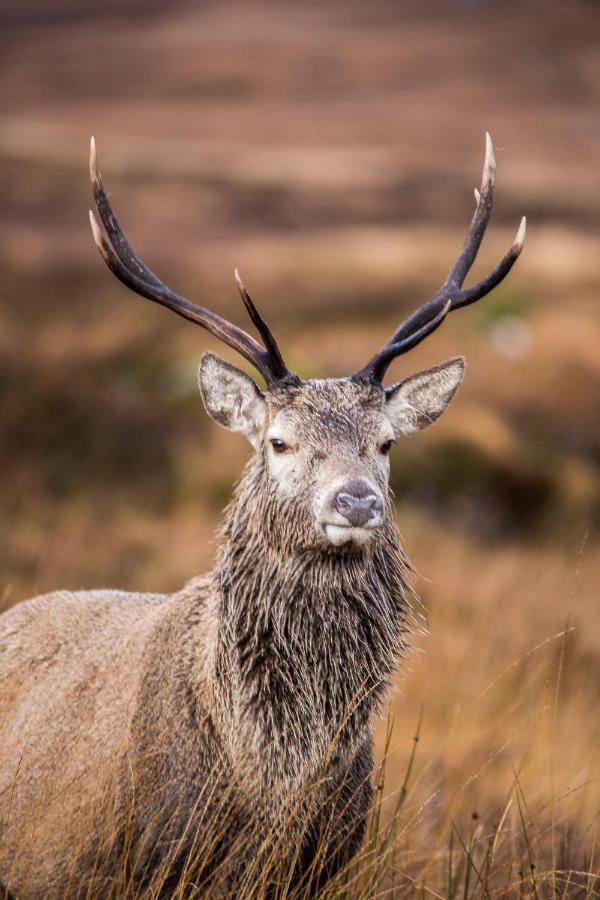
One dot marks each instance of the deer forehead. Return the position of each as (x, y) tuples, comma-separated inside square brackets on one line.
[(326, 411)]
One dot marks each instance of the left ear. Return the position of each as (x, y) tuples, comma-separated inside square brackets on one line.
[(231, 398), (418, 401)]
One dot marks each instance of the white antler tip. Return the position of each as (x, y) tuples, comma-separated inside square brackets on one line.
[(93, 159), (238, 278), (520, 238), (489, 166), (97, 234)]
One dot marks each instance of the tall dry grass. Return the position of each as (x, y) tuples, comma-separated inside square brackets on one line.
[(528, 848)]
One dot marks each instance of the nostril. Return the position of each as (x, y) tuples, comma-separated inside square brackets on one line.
[(358, 510)]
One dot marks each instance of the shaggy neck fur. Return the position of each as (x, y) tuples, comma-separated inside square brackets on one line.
[(308, 636)]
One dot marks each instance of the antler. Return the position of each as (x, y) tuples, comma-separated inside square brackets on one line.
[(122, 260), (452, 295)]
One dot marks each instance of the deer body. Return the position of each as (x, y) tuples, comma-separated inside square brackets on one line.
[(254, 679), (149, 737)]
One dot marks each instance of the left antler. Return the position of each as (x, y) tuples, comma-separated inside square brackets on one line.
[(122, 260), (452, 295)]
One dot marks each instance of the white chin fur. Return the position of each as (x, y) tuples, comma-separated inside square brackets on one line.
[(338, 535)]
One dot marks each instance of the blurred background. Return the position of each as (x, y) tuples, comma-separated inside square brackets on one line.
[(330, 151)]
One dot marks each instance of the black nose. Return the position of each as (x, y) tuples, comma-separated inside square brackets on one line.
[(358, 504)]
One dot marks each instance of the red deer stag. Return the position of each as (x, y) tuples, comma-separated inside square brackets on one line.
[(149, 737)]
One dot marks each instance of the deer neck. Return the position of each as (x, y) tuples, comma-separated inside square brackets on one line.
[(308, 636)]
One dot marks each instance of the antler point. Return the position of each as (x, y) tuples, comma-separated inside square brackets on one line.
[(520, 237), (94, 174), (93, 223), (489, 166), (98, 237)]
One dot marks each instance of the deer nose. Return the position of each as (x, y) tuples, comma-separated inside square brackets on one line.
[(358, 507)]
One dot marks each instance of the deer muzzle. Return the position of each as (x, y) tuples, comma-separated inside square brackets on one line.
[(354, 512)]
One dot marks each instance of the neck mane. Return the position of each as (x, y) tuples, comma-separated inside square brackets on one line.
[(309, 636)]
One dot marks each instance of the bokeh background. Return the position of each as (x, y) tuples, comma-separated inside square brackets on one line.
[(330, 151)]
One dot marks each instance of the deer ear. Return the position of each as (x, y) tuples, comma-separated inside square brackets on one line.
[(231, 397), (418, 401)]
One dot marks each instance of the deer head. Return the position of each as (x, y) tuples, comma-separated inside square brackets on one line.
[(323, 445)]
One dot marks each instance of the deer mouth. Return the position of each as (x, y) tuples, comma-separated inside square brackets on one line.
[(344, 534)]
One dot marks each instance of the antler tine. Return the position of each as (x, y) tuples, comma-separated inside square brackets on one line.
[(279, 367), (481, 217), (122, 260), (452, 295), (498, 273), (121, 245)]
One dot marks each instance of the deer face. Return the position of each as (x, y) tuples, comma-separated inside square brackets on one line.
[(326, 443)]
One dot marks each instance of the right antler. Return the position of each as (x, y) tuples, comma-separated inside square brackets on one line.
[(452, 295), (122, 260)]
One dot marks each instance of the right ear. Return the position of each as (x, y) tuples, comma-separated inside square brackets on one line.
[(231, 398), (421, 399)]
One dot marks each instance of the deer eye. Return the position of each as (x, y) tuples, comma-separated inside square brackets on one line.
[(386, 446), (278, 445)]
